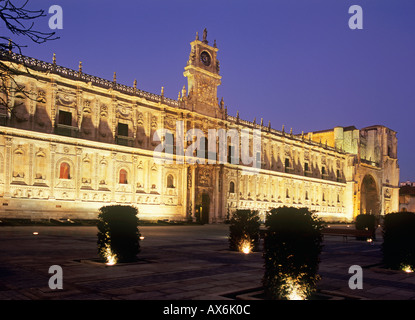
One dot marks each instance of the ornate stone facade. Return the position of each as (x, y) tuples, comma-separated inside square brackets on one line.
[(76, 142)]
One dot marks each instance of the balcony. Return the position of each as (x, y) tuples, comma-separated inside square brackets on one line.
[(289, 170), (67, 131), (124, 141), (370, 162), (308, 173)]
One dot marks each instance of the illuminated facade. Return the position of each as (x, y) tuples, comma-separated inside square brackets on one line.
[(79, 142)]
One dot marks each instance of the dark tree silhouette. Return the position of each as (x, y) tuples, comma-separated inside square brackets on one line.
[(19, 20)]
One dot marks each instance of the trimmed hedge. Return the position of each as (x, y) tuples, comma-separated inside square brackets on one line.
[(366, 222), (398, 246), (292, 246), (118, 230), (244, 225)]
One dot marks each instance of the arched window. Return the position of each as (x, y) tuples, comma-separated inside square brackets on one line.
[(170, 181), (123, 177), (306, 195), (231, 187), (64, 171)]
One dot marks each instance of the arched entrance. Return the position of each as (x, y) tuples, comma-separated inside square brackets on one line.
[(369, 196)]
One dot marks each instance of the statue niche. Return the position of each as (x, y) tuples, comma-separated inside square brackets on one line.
[(86, 171), (40, 166), (18, 172)]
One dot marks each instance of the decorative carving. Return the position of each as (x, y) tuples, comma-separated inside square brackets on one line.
[(154, 122), (206, 92), (104, 111), (66, 98), (140, 118), (87, 107), (41, 96), (204, 177), (189, 179), (169, 123), (124, 112)]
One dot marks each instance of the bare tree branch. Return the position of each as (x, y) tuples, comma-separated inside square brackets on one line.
[(19, 20)]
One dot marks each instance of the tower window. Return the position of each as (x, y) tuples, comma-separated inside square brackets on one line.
[(306, 167)]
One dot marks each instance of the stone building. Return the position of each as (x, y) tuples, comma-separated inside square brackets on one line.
[(72, 142), (407, 197)]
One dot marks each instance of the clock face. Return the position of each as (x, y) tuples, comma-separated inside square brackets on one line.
[(205, 58)]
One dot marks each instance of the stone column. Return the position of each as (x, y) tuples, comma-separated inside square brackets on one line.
[(78, 175), (114, 179), (52, 170), (8, 166)]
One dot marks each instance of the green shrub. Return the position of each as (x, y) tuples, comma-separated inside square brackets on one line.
[(292, 246), (244, 226), (398, 246), (366, 222), (118, 233)]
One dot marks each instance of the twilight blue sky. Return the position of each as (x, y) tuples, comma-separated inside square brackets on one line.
[(293, 62)]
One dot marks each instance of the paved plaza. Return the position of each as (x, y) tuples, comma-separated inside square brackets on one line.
[(176, 263)]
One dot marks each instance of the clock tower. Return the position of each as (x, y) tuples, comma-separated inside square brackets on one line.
[(203, 79)]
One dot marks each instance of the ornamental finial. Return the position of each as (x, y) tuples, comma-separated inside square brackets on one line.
[(205, 36)]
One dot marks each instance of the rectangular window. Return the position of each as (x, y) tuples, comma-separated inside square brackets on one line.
[(230, 153), (306, 168), (65, 118), (258, 160), (122, 129), (169, 143)]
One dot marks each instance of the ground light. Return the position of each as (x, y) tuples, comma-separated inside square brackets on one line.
[(245, 245), (110, 257), (295, 290), (407, 268)]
